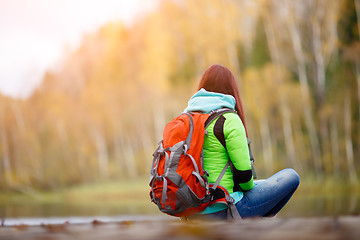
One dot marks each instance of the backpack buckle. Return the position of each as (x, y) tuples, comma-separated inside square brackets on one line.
[(185, 148), (230, 199)]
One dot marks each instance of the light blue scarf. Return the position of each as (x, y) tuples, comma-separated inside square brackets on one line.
[(205, 101)]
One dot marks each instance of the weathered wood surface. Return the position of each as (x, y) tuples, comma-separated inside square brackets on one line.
[(326, 228)]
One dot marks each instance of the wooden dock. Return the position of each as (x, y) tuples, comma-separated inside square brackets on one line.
[(327, 228)]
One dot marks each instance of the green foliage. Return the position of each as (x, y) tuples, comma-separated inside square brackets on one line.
[(260, 53), (348, 26)]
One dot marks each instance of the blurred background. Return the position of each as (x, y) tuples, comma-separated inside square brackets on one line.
[(86, 88)]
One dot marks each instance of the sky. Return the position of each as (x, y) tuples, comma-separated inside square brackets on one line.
[(34, 34)]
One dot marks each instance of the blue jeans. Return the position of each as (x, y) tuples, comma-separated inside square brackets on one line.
[(267, 197)]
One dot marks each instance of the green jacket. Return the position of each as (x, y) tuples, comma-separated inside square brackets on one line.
[(215, 155)]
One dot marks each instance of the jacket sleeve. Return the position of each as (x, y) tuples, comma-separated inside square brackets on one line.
[(237, 148)]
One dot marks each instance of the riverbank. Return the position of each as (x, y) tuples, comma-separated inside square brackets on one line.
[(345, 227)]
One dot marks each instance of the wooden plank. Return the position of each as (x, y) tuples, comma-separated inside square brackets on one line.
[(327, 228)]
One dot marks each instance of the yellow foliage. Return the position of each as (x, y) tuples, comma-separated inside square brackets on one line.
[(100, 114)]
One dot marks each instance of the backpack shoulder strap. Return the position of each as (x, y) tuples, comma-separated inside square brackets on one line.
[(218, 128), (216, 113), (219, 134)]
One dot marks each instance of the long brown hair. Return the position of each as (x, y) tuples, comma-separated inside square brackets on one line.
[(218, 78)]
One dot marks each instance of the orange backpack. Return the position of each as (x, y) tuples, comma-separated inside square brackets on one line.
[(179, 184)]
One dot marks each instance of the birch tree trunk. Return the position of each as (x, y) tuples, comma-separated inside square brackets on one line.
[(335, 147), (357, 61), (129, 159), (267, 145), (234, 62), (323, 36), (320, 83), (319, 59), (309, 119), (103, 156), (159, 120), (284, 108), (348, 141), (357, 72), (117, 150), (4, 150), (357, 8), (20, 148)]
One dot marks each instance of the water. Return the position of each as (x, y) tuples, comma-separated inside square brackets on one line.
[(59, 213), (32, 213), (318, 205), (33, 221)]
